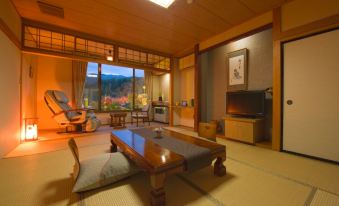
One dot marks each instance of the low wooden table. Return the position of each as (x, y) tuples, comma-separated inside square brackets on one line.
[(160, 162), (118, 119)]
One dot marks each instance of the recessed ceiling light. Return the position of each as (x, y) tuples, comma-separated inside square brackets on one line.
[(163, 3)]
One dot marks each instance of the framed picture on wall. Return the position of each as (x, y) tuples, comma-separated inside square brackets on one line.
[(236, 70)]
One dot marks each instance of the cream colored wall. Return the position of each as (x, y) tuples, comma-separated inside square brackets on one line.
[(10, 58), (161, 87), (29, 86), (164, 81), (9, 15), (187, 84), (300, 12), (184, 90), (53, 73), (156, 88), (187, 61), (187, 93)]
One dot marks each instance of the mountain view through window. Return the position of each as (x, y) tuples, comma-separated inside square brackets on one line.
[(112, 86)]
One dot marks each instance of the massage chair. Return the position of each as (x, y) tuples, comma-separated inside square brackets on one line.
[(72, 120)]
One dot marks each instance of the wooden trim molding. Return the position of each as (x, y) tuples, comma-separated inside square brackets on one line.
[(196, 87), (4, 28)]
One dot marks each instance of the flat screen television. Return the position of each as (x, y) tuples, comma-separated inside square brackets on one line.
[(246, 103)]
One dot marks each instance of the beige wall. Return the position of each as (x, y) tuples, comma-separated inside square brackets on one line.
[(187, 84), (161, 87), (10, 57), (52, 73), (29, 85), (156, 88), (164, 81), (300, 12), (184, 90)]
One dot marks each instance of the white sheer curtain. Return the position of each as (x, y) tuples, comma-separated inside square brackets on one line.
[(79, 70), (149, 85)]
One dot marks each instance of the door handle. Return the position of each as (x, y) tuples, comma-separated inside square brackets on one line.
[(289, 102)]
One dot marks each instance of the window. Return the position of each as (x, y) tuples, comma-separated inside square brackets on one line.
[(115, 87), (140, 88)]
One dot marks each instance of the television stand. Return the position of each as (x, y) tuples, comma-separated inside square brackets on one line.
[(249, 130)]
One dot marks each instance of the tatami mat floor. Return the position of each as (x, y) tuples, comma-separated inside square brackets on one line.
[(255, 176)]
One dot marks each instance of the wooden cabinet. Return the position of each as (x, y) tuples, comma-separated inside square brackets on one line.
[(244, 129)]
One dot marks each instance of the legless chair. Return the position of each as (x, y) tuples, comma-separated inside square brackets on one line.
[(100, 170), (68, 118), (74, 149)]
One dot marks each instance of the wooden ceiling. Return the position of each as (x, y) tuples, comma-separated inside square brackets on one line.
[(146, 25)]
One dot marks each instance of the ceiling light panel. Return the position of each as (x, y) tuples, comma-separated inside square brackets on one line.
[(163, 3)]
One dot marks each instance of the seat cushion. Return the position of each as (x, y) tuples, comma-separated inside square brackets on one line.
[(139, 115), (102, 170)]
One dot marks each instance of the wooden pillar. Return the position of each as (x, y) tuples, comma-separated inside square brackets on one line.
[(196, 87), (171, 92), (115, 53), (277, 95)]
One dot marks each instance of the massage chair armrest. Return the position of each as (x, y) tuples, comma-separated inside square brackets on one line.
[(79, 119), (73, 110)]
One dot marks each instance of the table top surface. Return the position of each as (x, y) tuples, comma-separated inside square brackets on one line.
[(156, 157)]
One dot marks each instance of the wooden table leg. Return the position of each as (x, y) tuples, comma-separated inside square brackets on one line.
[(219, 168), (124, 121), (114, 147), (158, 197)]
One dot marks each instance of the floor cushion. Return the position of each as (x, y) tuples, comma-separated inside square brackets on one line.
[(102, 170)]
